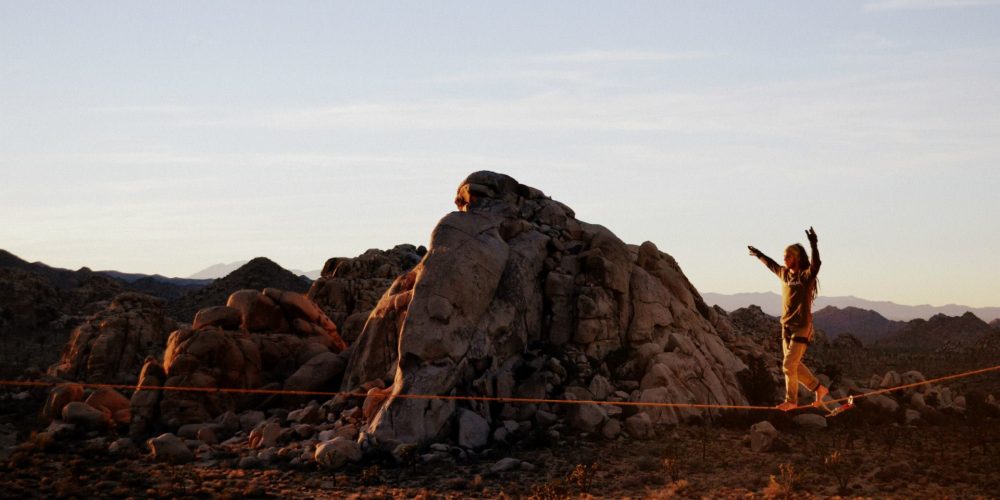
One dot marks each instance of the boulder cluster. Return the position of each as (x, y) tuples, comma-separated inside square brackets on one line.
[(111, 346)]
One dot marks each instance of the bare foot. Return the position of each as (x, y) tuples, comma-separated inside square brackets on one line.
[(821, 393), (787, 406)]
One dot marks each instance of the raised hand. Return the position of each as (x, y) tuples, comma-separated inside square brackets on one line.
[(811, 234), (753, 251)]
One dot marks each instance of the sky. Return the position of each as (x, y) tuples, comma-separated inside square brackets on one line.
[(166, 137)]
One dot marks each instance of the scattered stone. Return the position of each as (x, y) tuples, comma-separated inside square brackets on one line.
[(122, 446), (810, 421), (612, 428), (505, 465), (473, 430), (87, 416), (59, 397), (207, 435), (639, 426), (333, 454), (171, 449), (265, 436), (763, 436), (587, 417)]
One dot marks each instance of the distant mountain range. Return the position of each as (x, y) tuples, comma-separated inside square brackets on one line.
[(217, 271), (771, 304), (38, 297)]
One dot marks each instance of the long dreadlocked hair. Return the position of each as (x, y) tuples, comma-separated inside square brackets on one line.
[(803, 265)]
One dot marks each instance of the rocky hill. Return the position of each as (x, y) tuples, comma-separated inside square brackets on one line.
[(257, 274), (940, 333), (866, 325), (38, 298)]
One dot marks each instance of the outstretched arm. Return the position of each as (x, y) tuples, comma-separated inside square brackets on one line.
[(814, 259), (769, 262)]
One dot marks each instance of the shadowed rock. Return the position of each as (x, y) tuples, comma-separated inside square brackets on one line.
[(513, 281), (111, 346)]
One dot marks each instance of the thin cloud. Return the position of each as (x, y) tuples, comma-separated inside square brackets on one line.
[(883, 5), (618, 56)]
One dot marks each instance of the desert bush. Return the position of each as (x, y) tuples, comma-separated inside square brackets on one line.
[(784, 485)]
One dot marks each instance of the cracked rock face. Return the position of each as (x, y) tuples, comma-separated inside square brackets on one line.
[(349, 288), (516, 297)]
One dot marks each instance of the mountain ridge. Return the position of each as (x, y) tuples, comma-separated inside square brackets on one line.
[(770, 303)]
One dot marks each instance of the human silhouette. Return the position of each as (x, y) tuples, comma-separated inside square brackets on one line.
[(799, 284)]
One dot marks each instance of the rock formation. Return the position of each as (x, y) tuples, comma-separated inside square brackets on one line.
[(349, 288), (516, 297), (259, 339), (111, 346)]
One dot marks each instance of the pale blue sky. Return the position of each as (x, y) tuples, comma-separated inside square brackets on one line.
[(168, 137)]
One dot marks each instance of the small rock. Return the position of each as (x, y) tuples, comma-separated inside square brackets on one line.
[(207, 435), (810, 421), (404, 453), (473, 430), (639, 426), (60, 429), (249, 462), (586, 417), (311, 414), (546, 419), (304, 430), (170, 448), (121, 447), (60, 396), (762, 436), (107, 398), (265, 436), (504, 465), (347, 432), (251, 419), (612, 428), (600, 387), (883, 402), (911, 416), (86, 416), (334, 454)]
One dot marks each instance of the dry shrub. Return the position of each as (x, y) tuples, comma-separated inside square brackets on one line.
[(782, 487)]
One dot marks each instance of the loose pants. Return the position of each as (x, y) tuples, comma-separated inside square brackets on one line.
[(795, 372)]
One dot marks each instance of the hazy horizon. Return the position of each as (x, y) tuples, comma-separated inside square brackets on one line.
[(165, 138)]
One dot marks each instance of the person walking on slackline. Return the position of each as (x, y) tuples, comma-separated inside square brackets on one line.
[(799, 285)]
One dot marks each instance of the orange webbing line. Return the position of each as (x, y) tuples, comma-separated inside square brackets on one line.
[(916, 384), (233, 390)]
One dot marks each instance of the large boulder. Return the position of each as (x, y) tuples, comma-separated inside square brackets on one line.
[(513, 290), (207, 358), (111, 346)]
